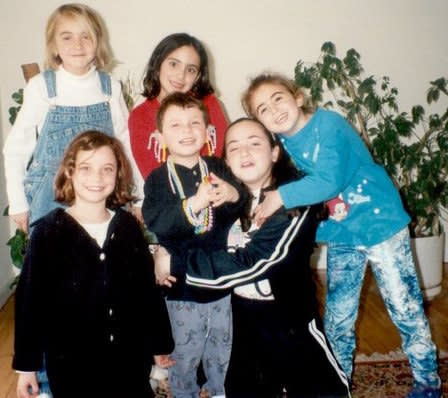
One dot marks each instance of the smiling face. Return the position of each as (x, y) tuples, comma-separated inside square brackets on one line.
[(179, 71), (249, 154), (277, 108), (75, 45), (184, 133), (94, 176)]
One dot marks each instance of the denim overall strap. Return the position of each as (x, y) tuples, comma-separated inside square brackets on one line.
[(106, 86), (62, 124), (50, 82)]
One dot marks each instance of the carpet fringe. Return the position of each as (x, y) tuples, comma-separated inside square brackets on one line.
[(395, 355)]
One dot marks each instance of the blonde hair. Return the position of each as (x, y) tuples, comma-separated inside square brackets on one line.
[(103, 57), (274, 78)]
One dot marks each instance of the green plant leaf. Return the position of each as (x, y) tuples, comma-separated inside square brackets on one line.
[(351, 62), (417, 113), (367, 86), (14, 282), (18, 96), (17, 245), (372, 103), (412, 147), (328, 48), (435, 122), (441, 84), (13, 111)]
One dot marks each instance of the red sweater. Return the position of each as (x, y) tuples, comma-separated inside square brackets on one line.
[(142, 122)]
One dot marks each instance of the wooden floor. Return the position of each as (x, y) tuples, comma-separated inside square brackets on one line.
[(8, 378), (375, 331)]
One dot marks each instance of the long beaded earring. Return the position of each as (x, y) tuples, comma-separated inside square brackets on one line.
[(164, 153), (211, 139), (153, 140)]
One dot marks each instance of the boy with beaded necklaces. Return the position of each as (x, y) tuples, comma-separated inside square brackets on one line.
[(192, 201)]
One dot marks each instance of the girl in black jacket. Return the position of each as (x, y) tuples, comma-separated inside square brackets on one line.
[(87, 299), (278, 343)]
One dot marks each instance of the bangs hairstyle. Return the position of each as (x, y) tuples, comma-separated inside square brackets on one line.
[(151, 82), (277, 79), (283, 170), (183, 101), (272, 140), (81, 12), (90, 141)]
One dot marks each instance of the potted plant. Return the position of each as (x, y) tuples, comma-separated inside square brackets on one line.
[(412, 146)]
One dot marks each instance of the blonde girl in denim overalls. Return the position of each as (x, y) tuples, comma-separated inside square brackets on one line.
[(71, 96)]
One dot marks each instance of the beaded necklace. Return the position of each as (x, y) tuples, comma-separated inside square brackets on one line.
[(203, 220)]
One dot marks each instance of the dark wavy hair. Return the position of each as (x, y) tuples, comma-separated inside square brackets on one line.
[(151, 81), (283, 170), (88, 141)]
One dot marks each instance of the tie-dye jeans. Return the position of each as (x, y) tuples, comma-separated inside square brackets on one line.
[(394, 270)]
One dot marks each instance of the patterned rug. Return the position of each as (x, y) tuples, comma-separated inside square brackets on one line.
[(376, 376), (388, 376)]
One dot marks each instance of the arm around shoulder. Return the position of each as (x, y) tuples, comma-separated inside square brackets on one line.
[(222, 270)]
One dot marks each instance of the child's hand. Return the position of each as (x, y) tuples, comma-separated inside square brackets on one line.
[(162, 267), (162, 264), (21, 220), (271, 203), (222, 191), (164, 361), (202, 198), (27, 386)]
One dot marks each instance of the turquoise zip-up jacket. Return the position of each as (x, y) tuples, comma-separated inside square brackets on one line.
[(365, 206)]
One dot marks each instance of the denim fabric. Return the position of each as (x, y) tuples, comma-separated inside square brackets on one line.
[(44, 386), (394, 270), (201, 331), (62, 124)]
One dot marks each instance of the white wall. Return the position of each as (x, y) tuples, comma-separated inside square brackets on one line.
[(404, 39), (6, 270)]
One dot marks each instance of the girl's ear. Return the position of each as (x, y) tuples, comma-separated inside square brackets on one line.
[(275, 153), (300, 100)]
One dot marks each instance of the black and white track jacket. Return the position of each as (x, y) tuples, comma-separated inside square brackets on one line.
[(279, 250)]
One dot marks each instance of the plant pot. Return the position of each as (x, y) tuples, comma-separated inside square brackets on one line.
[(428, 256)]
